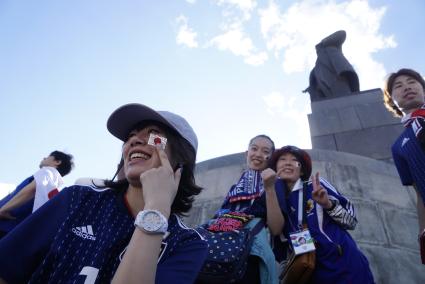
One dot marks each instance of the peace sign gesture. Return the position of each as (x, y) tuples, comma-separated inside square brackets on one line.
[(320, 194)]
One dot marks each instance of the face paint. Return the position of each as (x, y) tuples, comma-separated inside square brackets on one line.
[(155, 140), (297, 164)]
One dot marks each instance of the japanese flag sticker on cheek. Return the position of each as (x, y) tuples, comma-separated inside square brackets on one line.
[(155, 139)]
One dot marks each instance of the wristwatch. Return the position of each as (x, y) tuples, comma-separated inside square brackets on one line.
[(151, 222)]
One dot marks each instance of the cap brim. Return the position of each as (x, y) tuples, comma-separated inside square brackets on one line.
[(126, 117)]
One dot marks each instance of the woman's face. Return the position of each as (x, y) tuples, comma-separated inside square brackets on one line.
[(408, 93), (258, 153), (138, 155), (288, 168)]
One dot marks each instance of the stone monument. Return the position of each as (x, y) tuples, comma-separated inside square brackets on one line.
[(351, 134), (332, 76)]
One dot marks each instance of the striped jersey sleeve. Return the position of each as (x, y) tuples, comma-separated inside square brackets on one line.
[(343, 213)]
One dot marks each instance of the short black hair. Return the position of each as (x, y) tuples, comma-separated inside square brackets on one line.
[(66, 164), (388, 88)]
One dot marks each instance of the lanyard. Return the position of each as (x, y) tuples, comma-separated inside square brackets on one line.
[(301, 213), (300, 208)]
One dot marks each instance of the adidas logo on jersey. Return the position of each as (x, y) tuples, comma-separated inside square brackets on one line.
[(85, 232), (405, 140)]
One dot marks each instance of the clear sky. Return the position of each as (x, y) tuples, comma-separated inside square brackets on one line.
[(232, 68)]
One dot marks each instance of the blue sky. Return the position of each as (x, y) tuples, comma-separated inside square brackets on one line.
[(233, 68)]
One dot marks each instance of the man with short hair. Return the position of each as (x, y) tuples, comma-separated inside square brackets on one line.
[(404, 95), (34, 191)]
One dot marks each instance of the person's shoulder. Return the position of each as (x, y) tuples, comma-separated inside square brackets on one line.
[(48, 170), (87, 191), (399, 141), (179, 231)]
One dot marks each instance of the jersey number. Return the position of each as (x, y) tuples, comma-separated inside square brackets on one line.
[(90, 273)]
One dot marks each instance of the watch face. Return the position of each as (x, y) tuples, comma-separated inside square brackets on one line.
[(151, 221)]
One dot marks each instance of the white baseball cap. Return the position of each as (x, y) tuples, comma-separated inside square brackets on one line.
[(126, 117)]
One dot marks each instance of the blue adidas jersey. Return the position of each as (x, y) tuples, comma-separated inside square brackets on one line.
[(19, 213), (81, 235), (338, 259), (409, 159)]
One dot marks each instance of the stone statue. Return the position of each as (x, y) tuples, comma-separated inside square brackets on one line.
[(332, 76)]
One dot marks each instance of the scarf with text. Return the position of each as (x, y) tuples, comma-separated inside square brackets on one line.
[(249, 186)]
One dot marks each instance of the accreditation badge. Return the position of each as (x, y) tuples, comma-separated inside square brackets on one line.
[(302, 242)]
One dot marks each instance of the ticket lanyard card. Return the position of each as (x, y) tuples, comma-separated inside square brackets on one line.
[(302, 242)]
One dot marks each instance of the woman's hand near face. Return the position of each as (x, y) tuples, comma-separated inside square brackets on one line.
[(320, 194), (269, 178), (160, 184)]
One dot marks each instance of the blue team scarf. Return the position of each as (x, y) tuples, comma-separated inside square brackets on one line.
[(249, 186)]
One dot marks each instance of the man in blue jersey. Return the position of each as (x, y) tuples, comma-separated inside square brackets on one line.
[(404, 95), (28, 195), (130, 230)]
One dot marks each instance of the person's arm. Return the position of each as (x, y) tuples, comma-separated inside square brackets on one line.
[(139, 263), (24, 248), (339, 208), (22, 197), (180, 267), (402, 167), (275, 219), (421, 210)]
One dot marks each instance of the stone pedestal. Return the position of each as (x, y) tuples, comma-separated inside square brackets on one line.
[(358, 124)]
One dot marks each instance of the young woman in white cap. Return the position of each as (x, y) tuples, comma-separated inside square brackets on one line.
[(128, 232), (328, 216)]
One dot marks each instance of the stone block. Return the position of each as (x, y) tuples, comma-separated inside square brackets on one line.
[(323, 142), (364, 97), (374, 115), (366, 182), (402, 227), (370, 228), (374, 142), (333, 121), (394, 266)]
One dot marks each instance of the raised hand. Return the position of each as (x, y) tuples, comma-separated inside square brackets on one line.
[(160, 184), (320, 194), (269, 178)]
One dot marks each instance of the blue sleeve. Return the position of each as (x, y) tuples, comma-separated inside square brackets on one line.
[(184, 264), (16, 191), (402, 167), (343, 213), (19, 213), (25, 247), (259, 207)]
